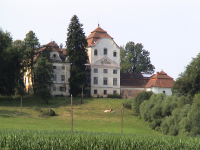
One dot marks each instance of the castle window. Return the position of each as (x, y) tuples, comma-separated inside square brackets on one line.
[(114, 81), (54, 56), (54, 67), (105, 51), (95, 52), (114, 92), (105, 92), (129, 93), (123, 92), (54, 88), (95, 70), (105, 81), (95, 91), (105, 70), (62, 77), (54, 77), (62, 89), (63, 67), (114, 54), (114, 71), (95, 80)]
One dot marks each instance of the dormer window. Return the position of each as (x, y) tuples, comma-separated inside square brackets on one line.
[(105, 51), (95, 52), (54, 56), (114, 54)]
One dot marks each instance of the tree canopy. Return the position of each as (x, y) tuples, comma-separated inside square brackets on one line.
[(11, 63), (135, 59), (43, 73), (77, 55), (188, 82)]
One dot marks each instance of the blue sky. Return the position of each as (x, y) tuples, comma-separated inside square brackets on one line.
[(168, 29)]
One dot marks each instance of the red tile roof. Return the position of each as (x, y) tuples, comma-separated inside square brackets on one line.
[(160, 79), (95, 35)]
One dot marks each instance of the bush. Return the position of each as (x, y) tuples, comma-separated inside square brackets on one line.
[(114, 96), (142, 96), (50, 112), (128, 105)]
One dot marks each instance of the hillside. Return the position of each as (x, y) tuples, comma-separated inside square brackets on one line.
[(87, 117)]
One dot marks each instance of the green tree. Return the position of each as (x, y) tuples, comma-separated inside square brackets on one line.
[(11, 63), (77, 55), (31, 44), (188, 82), (135, 59), (43, 73)]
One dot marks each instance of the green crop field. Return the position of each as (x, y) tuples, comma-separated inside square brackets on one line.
[(93, 129)]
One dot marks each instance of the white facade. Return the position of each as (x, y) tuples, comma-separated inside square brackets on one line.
[(61, 75), (104, 58), (158, 90)]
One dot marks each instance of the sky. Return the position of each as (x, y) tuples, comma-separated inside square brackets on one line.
[(168, 29)]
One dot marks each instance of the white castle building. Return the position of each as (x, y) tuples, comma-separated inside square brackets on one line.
[(104, 59)]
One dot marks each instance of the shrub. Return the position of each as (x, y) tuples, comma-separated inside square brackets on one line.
[(128, 105), (140, 98), (50, 112), (114, 96)]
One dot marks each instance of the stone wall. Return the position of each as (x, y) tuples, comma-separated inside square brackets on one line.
[(130, 92)]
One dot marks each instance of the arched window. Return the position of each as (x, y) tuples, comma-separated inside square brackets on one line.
[(114, 54), (95, 52), (105, 51), (54, 56)]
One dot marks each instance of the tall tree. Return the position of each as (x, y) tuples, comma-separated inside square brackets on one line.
[(188, 82), (32, 44), (5, 43), (43, 74), (135, 59), (76, 50)]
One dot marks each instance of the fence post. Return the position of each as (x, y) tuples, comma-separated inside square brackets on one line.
[(71, 116), (122, 112)]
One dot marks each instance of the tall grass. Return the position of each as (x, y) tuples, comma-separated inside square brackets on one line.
[(21, 139)]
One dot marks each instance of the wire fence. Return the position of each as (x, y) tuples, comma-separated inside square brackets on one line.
[(17, 113)]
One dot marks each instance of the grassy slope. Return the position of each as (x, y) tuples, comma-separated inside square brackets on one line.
[(87, 117)]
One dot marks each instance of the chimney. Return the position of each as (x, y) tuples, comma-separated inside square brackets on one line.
[(157, 73)]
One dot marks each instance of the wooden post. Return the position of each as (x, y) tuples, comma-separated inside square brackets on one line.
[(71, 116), (21, 107), (122, 112), (82, 96)]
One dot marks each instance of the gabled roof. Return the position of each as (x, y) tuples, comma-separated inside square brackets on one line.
[(52, 47), (160, 79), (95, 35), (133, 80)]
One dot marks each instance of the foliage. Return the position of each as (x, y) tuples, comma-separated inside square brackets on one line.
[(188, 82), (173, 115), (11, 63), (28, 139), (43, 73), (128, 105), (144, 95), (135, 59), (114, 96), (77, 54)]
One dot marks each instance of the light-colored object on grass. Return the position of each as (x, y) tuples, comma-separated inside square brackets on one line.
[(110, 110)]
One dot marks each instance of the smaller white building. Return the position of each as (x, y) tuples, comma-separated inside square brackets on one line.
[(160, 83)]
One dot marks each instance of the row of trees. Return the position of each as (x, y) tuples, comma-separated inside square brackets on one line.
[(16, 57), (172, 115)]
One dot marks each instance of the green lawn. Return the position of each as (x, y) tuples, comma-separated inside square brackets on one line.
[(87, 117)]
